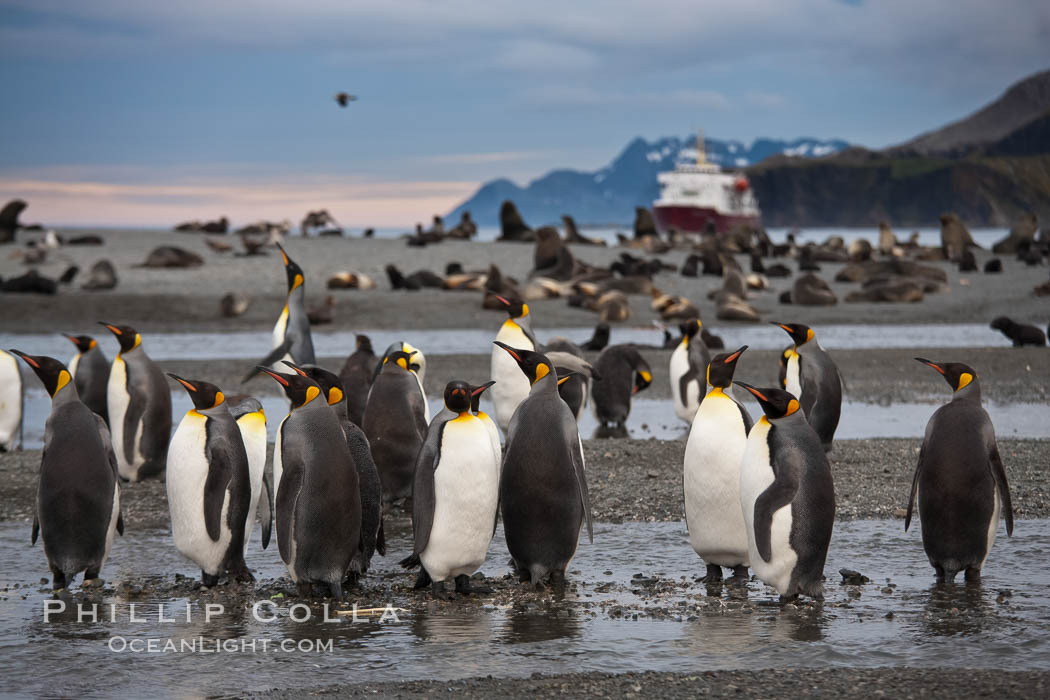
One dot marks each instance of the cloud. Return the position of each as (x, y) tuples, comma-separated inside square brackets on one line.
[(131, 203), (486, 158), (585, 96)]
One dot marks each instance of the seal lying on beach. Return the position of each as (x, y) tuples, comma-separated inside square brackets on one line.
[(172, 256), (1021, 333)]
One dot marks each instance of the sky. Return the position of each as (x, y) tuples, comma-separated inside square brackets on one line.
[(149, 113)]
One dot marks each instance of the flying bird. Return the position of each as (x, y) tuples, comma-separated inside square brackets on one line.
[(344, 98)]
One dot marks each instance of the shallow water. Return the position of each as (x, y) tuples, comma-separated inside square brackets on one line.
[(593, 628), (655, 418), (246, 344)]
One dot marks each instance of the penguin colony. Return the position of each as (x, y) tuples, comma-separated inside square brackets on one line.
[(758, 495)]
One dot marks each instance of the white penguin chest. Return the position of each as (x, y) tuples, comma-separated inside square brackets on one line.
[(74, 363), (187, 472), (512, 386), (10, 399), (280, 327), (756, 475), (684, 405), (713, 455), (793, 376), (117, 401), (253, 433), (466, 493)]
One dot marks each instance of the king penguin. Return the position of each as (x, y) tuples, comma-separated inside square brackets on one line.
[(12, 397), (688, 370), (575, 390), (418, 367), (209, 486), (717, 439), (960, 479), (90, 370), (543, 490), (356, 377), (291, 334), (788, 497), (455, 495), (139, 403), (811, 376), (317, 508), (251, 420), (511, 386), (622, 373), (78, 495), (372, 538), (395, 424)]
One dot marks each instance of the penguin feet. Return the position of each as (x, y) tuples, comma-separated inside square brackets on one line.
[(209, 580), (972, 575), (58, 580), (437, 588), (92, 581), (714, 574), (739, 577), (422, 580), (304, 589), (463, 586), (786, 599)]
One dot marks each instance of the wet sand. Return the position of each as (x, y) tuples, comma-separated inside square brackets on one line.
[(769, 683)]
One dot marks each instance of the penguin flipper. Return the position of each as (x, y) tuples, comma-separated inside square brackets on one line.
[(576, 450), (779, 494), (914, 487), (287, 503), (266, 511), (381, 539), (999, 474), (120, 524), (216, 488), (36, 530), (277, 353), (423, 496)]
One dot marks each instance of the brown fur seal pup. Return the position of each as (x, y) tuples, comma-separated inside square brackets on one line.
[(1021, 333)]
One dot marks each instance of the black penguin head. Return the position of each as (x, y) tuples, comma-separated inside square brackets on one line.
[(402, 359), (533, 364), (457, 396), (203, 394), (127, 336), (292, 269), (690, 329), (52, 373), (329, 382), (775, 403), (363, 343), (799, 333), (300, 390), (475, 395), (83, 342), (958, 375), (642, 379), (720, 370), (516, 308)]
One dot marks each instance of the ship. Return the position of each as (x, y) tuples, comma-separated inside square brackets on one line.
[(700, 198)]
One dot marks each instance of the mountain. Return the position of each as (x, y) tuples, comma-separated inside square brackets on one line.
[(609, 195), (990, 168)]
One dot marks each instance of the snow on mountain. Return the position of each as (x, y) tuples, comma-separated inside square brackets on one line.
[(610, 194)]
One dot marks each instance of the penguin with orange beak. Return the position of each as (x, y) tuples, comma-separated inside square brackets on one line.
[(960, 479), (788, 497), (78, 496), (90, 370), (209, 486), (139, 403)]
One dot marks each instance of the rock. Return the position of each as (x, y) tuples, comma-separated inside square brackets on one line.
[(853, 578)]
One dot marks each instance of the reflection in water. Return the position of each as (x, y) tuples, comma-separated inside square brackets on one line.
[(957, 609), (473, 625), (541, 625)]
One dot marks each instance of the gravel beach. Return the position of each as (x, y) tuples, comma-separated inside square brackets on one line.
[(630, 480)]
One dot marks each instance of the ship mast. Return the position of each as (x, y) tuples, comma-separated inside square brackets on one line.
[(701, 154)]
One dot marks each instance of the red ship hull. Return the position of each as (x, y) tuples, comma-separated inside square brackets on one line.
[(697, 219)]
